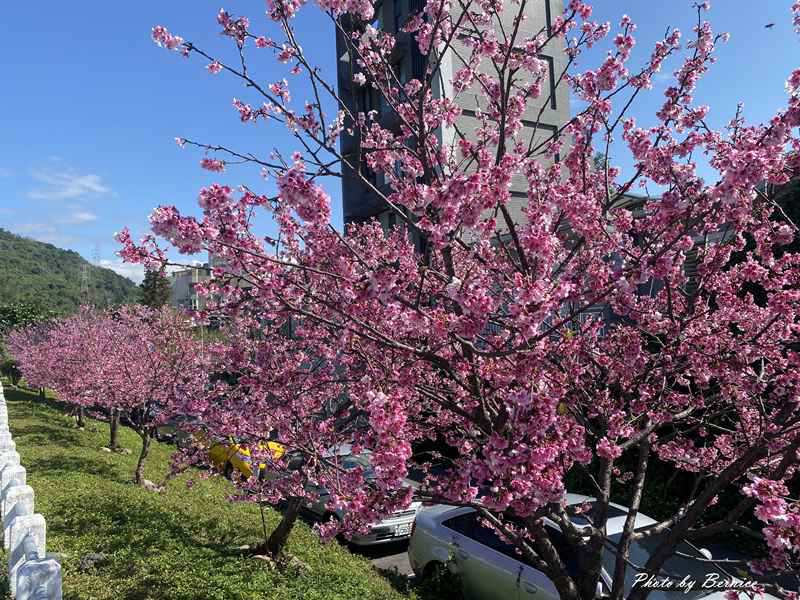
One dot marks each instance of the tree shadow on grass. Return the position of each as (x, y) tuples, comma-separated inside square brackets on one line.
[(130, 527), (18, 394), (45, 434), (144, 542), (70, 465)]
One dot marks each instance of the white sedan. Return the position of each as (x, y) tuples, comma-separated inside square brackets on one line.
[(449, 540), (394, 528)]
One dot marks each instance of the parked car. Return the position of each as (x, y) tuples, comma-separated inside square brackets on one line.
[(178, 430), (396, 527), (233, 457), (449, 542), (138, 416)]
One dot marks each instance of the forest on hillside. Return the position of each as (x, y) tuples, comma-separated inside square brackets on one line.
[(51, 277)]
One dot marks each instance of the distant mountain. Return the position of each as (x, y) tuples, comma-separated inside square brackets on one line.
[(42, 273)]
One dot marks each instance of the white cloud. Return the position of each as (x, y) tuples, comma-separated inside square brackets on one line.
[(134, 272), (44, 232), (81, 216), (35, 228), (66, 185), (663, 78)]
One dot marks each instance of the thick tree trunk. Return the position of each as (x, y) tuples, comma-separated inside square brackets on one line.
[(41, 393), (79, 417), (277, 540), (113, 425), (138, 477)]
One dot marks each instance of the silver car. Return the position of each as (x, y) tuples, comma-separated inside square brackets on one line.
[(394, 528), (449, 540)]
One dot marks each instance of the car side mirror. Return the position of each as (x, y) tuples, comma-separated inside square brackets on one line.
[(706, 553)]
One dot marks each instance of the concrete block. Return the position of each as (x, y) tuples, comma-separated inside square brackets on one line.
[(19, 502), (8, 447), (28, 542), (39, 580), (9, 456), (10, 476)]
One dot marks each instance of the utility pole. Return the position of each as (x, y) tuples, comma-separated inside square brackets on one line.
[(85, 298), (97, 262)]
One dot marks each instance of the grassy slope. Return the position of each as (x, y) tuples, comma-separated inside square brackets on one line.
[(176, 545)]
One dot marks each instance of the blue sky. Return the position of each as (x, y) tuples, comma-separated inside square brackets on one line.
[(90, 106)]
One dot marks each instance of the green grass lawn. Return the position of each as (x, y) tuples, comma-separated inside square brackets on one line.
[(179, 544)]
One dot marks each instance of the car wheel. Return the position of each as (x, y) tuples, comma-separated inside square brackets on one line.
[(442, 583), (228, 472)]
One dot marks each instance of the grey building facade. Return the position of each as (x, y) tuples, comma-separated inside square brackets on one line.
[(183, 293), (541, 120)]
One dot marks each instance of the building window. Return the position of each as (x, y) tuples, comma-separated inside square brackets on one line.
[(399, 17), (418, 62), (551, 79), (401, 72), (368, 99)]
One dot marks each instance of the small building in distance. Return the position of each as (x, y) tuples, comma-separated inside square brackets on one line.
[(183, 282)]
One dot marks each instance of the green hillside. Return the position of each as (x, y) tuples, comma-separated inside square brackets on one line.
[(41, 273)]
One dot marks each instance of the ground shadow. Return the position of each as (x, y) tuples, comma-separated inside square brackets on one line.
[(22, 394), (141, 525), (40, 434), (74, 464)]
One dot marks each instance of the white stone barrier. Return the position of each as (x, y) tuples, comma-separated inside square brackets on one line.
[(18, 502), (32, 574)]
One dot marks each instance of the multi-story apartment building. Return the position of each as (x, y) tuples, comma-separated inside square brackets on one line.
[(183, 282), (184, 293), (542, 119)]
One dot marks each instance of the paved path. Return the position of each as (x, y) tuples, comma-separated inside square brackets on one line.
[(392, 562), (388, 557)]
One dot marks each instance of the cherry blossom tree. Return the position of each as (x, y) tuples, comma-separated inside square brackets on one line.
[(162, 370), (583, 334), (145, 363), (278, 385), (15, 315), (58, 355)]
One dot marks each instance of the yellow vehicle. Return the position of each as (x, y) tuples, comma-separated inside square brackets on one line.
[(234, 457)]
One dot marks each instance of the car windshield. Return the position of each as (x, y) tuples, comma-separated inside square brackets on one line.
[(677, 569), (361, 461)]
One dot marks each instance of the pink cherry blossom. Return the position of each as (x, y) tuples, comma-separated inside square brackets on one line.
[(164, 38), (213, 164), (527, 321)]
